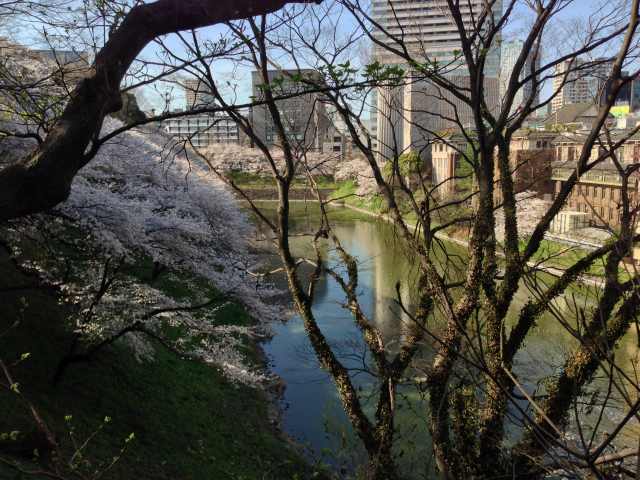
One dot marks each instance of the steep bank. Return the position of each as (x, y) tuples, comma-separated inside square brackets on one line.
[(188, 418), (148, 244)]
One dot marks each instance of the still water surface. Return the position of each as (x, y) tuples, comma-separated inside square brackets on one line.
[(312, 411)]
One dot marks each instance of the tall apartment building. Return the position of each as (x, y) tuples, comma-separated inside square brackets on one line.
[(408, 114), (303, 115), (579, 81), (508, 58)]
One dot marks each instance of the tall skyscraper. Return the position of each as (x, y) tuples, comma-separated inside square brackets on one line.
[(409, 114), (583, 83), (508, 58), (629, 94), (428, 30)]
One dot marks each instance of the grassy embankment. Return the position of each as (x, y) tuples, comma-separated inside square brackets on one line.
[(189, 421), (551, 253), (266, 182)]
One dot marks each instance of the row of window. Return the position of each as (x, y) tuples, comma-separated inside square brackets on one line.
[(608, 214), (202, 130), (594, 191)]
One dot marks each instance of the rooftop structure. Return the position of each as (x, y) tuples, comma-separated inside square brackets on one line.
[(579, 115)]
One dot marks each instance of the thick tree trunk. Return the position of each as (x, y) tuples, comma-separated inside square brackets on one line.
[(43, 179)]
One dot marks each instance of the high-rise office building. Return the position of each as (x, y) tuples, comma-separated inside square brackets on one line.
[(629, 94), (579, 81), (428, 31), (409, 114), (634, 94), (509, 56)]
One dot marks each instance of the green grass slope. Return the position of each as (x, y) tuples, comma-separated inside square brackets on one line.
[(189, 421)]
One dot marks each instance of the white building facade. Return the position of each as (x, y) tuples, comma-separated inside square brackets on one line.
[(204, 130)]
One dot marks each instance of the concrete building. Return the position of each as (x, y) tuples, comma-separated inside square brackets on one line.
[(303, 115), (205, 130), (428, 31), (427, 108), (409, 114), (597, 194), (579, 81), (446, 155), (508, 58), (197, 93), (531, 157)]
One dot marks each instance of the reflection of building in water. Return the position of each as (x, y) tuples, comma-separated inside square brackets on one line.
[(381, 265)]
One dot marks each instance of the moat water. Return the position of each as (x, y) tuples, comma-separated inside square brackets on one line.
[(312, 413)]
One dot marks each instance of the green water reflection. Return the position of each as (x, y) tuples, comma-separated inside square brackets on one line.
[(313, 414)]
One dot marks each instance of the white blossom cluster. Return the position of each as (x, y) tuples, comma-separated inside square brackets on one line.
[(228, 157), (359, 170), (35, 84), (529, 210), (142, 198)]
